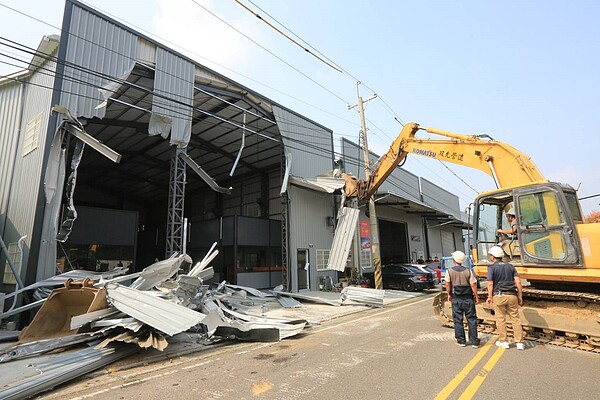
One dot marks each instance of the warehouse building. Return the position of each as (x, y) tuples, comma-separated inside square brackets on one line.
[(118, 151)]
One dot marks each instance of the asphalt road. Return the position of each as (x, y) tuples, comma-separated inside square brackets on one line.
[(399, 352)]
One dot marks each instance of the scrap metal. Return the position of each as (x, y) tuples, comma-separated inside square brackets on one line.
[(163, 315)]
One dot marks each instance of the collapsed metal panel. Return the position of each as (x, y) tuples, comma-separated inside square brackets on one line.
[(173, 98), (305, 141), (342, 240), (160, 314), (98, 52)]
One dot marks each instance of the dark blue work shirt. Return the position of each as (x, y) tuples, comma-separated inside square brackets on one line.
[(503, 275)]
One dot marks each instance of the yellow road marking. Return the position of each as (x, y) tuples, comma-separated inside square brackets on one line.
[(453, 384), (478, 380)]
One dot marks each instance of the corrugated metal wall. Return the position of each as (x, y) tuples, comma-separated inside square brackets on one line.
[(400, 182), (28, 169), (94, 45), (308, 226), (311, 145), (11, 95)]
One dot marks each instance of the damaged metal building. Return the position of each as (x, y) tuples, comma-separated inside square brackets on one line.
[(117, 151)]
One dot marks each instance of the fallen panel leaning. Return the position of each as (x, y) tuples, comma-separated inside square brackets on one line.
[(342, 239), (160, 314)]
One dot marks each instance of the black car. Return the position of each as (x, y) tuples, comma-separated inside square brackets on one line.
[(405, 277)]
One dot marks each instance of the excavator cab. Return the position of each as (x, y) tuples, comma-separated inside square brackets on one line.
[(546, 215)]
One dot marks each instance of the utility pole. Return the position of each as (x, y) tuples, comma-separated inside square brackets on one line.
[(372, 215)]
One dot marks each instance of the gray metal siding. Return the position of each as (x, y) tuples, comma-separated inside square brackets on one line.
[(307, 226), (440, 199), (11, 95), (311, 145), (28, 169), (95, 44)]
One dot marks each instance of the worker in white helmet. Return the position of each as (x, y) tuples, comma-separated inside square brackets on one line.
[(461, 286), (505, 292), (512, 221)]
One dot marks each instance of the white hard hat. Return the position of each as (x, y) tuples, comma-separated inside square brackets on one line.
[(459, 256), (497, 252), (510, 209)]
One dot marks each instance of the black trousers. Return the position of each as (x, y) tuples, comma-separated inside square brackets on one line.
[(464, 307)]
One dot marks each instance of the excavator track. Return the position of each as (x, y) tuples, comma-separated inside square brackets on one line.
[(566, 319)]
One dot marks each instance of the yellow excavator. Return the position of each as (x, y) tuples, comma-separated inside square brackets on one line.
[(553, 249)]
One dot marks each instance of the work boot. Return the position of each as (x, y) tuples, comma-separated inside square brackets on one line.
[(504, 345)]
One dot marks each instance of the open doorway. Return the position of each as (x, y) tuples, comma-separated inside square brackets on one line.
[(393, 238), (303, 267)]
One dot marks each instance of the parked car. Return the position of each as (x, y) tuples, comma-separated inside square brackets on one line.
[(408, 277), (437, 267), (433, 272)]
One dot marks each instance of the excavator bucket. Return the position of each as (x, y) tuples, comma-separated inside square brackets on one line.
[(54, 317)]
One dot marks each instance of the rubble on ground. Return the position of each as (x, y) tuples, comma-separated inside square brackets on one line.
[(112, 318)]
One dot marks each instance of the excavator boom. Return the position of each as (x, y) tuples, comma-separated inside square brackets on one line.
[(505, 164)]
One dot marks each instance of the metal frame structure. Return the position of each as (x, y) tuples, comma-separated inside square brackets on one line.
[(175, 209), (285, 278)]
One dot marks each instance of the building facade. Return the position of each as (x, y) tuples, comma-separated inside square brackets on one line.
[(118, 151)]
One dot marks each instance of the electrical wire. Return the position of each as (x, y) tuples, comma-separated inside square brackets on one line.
[(269, 51), (287, 37), (388, 108)]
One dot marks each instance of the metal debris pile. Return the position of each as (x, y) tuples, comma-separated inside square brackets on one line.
[(116, 318), (114, 315)]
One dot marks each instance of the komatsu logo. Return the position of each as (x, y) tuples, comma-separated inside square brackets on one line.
[(426, 153)]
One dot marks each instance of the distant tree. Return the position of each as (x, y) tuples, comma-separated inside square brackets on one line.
[(592, 217)]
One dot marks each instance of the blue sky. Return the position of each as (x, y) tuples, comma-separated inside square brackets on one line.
[(526, 73)]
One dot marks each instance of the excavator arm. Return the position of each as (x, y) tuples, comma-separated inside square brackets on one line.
[(505, 164)]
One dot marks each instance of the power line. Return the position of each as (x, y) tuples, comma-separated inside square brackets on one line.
[(269, 51), (287, 37), (389, 108)]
